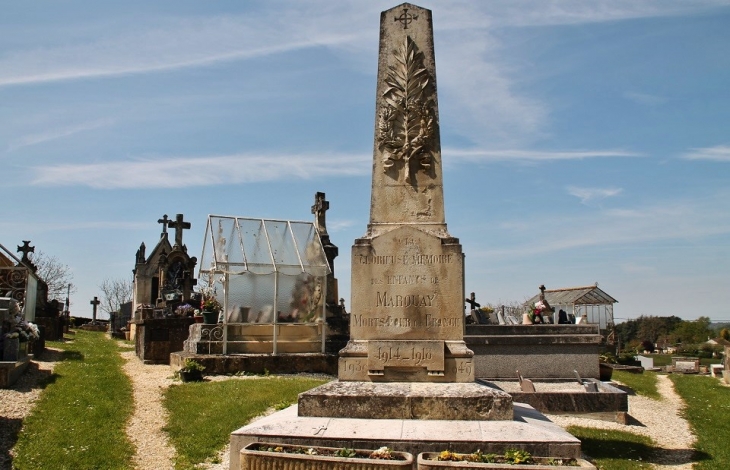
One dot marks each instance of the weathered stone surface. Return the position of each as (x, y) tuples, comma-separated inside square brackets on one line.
[(537, 351), (529, 430), (462, 401), (156, 338)]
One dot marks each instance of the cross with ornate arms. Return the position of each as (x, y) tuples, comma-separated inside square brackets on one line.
[(164, 221), (406, 18), (95, 302), (25, 249), (179, 225), (319, 210)]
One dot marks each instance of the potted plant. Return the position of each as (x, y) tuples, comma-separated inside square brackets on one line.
[(211, 310), (605, 369), (511, 459), (192, 371), (274, 456)]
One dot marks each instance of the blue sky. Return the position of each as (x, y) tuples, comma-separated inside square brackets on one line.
[(582, 141)]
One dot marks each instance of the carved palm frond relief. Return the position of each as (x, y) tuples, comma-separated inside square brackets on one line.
[(406, 118)]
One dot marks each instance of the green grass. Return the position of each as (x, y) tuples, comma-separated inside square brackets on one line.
[(708, 409), (615, 450), (78, 422), (643, 384), (203, 415)]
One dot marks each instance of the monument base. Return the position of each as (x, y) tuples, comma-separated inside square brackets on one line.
[(406, 400), (528, 430)]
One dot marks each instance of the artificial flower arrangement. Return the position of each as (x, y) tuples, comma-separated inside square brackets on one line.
[(211, 304), (536, 311), (19, 327), (185, 310)]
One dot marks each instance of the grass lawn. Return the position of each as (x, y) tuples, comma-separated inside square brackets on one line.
[(708, 409), (643, 384), (203, 414), (615, 450), (79, 420)]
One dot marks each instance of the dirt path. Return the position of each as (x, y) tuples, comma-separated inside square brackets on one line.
[(153, 451)]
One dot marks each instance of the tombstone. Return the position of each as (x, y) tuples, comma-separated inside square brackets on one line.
[(406, 318), (406, 361), (406, 315)]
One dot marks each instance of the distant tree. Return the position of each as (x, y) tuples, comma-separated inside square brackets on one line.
[(693, 332), (55, 274), (725, 334), (115, 292), (647, 346)]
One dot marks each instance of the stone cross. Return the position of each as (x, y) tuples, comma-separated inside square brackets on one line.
[(319, 210), (25, 249), (164, 221), (179, 225), (95, 303), (472, 300)]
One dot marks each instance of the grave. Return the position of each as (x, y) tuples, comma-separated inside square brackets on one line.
[(162, 282), (275, 282), (686, 365), (406, 376)]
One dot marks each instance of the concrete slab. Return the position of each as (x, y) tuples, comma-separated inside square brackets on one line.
[(529, 430), (403, 400)]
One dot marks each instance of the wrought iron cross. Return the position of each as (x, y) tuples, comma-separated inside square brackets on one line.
[(406, 18), (472, 300), (179, 225)]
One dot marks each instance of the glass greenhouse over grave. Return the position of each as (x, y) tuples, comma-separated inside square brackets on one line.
[(590, 301), (270, 276)]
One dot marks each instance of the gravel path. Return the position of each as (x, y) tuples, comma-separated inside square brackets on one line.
[(145, 425), (657, 419), (17, 401)]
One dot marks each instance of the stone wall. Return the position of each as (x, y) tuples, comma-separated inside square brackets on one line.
[(156, 338)]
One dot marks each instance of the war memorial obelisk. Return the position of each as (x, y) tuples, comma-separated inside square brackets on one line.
[(405, 378)]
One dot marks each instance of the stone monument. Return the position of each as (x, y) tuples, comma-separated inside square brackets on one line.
[(406, 363)]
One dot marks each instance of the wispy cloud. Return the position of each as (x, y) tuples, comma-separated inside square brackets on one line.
[(684, 220), (202, 171), (587, 195), (173, 44), (719, 153), (53, 134), (535, 155), (645, 98)]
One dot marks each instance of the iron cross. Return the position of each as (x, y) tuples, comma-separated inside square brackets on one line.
[(25, 249)]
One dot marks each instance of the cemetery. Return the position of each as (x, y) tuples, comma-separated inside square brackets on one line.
[(408, 374)]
